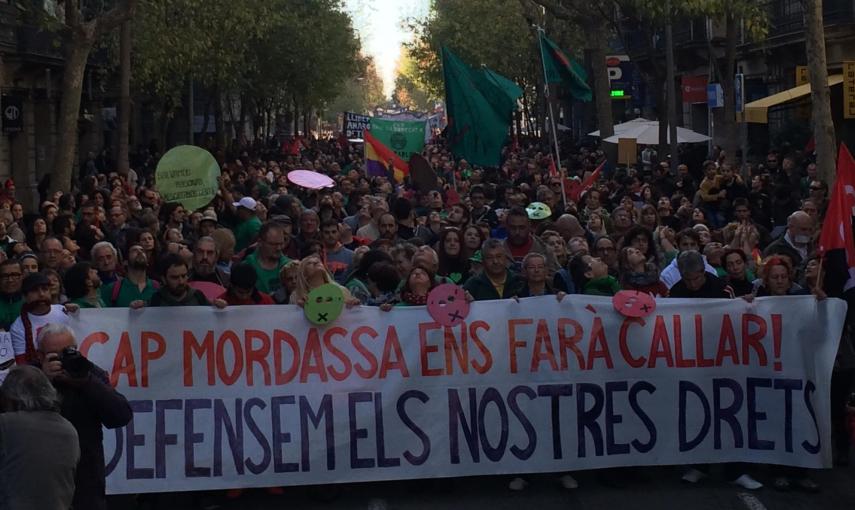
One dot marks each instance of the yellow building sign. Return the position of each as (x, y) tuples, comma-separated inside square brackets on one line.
[(849, 90), (801, 75)]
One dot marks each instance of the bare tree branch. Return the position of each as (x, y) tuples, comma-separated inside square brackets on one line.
[(114, 17)]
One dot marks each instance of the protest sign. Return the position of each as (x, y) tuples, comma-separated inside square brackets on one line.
[(256, 396), (404, 137), (188, 175), (7, 354), (355, 124)]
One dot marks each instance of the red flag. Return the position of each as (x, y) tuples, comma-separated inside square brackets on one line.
[(811, 146), (588, 183), (343, 142), (553, 172), (837, 226)]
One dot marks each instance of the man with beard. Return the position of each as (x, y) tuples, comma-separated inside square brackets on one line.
[(521, 241), (82, 286), (175, 291), (205, 268), (268, 258), (36, 313), (338, 258), (137, 289)]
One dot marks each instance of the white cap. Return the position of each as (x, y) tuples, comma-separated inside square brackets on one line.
[(246, 203)]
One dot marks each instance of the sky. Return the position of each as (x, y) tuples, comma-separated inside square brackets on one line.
[(380, 25)]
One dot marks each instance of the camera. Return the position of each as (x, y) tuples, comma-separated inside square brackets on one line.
[(74, 363)]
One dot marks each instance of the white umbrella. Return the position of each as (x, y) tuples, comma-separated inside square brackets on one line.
[(624, 126), (648, 134)]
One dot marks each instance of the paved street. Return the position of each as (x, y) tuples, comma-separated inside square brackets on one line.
[(648, 489)]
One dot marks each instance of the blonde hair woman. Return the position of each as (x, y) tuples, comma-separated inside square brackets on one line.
[(312, 274)]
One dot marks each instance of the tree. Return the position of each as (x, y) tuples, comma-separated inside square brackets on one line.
[(359, 94), (823, 124), (122, 158), (650, 17), (408, 91), (80, 30), (207, 41), (752, 15), (252, 57), (596, 29)]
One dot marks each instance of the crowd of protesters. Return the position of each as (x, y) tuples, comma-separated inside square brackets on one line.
[(705, 230)]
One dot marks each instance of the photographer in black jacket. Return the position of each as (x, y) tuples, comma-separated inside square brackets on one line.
[(88, 402)]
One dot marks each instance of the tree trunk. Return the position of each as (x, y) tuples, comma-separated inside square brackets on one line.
[(205, 121), (122, 159), (728, 123), (602, 95), (823, 125), (241, 131), (219, 120), (79, 46)]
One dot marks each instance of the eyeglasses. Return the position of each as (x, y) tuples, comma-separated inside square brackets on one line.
[(606, 248), (10, 276), (815, 188)]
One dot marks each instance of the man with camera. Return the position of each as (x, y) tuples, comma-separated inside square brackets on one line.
[(89, 402)]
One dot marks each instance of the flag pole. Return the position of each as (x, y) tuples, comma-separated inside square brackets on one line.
[(561, 176)]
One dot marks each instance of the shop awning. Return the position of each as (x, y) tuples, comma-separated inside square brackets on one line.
[(758, 111)]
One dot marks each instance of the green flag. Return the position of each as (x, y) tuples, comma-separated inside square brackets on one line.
[(479, 105), (404, 137), (559, 68), (512, 91)]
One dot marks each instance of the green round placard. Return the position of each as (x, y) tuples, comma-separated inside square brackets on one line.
[(188, 175)]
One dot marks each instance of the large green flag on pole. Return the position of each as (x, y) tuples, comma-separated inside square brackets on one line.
[(480, 104), (559, 68)]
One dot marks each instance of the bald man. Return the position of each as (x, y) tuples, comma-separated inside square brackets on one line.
[(569, 227), (797, 241)]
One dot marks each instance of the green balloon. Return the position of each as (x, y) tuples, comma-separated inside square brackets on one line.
[(324, 304), (188, 175)]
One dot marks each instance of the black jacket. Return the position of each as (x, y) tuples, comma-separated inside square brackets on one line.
[(780, 246), (713, 287), (482, 289), (90, 404)]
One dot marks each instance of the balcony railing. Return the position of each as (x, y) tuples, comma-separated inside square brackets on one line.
[(35, 41), (787, 16)]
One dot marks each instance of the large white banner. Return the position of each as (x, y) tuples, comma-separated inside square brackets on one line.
[(257, 396)]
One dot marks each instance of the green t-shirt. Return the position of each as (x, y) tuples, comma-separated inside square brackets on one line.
[(9, 312), (268, 279), (85, 303), (128, 293), (246, 232)]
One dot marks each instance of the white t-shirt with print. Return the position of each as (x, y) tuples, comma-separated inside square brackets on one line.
[(19, 343)]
